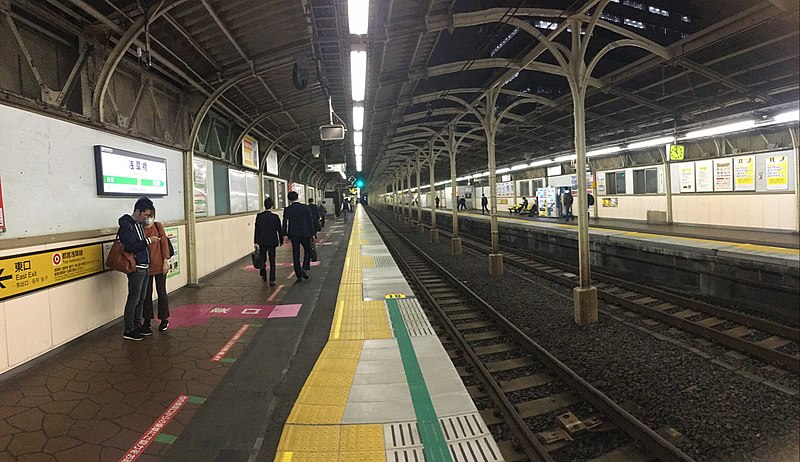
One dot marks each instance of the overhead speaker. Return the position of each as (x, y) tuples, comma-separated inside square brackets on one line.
[(300, 71)]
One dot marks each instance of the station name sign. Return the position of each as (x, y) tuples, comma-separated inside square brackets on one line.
[(124, 173)]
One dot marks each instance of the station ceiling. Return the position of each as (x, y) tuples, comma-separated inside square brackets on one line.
[(693, 61)]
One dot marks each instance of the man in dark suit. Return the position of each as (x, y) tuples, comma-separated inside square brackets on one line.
[(298, 225), (268, 235), (312, 207)]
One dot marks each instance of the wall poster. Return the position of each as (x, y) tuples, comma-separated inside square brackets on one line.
[(704, 175), (200, 188), (2, 216), (610, 202), (272, 162), (250, 152), (175, 261), (687, 177), (505, 189), (744, 169), (723, 174), (777, 173)]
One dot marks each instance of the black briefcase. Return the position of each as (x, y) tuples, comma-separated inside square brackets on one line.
[(258, 263)]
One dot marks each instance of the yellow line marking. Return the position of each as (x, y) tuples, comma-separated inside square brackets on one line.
[(287, 456), (338, 325)]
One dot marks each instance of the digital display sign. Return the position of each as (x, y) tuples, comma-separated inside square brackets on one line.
[(123, 173)]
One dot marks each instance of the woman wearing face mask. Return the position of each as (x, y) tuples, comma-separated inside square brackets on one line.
[(159, 267)]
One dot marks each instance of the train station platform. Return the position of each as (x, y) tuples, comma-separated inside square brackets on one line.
[(343, 366)]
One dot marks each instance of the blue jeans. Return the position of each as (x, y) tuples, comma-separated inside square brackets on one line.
[(137, 291)]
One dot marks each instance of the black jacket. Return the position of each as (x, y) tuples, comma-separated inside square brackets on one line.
[(131, 234), (297, 221), (312, 207), (268, 232), (484, 200)]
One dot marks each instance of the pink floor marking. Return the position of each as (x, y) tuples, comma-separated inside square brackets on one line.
[(193, 315), (148, 437), (285, 311), (227, 347)]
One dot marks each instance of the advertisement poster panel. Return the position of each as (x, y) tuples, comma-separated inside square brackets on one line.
[(744, 169), (704, 171), (723, 175), (175, 261), (26, 273), (777, 173), (272, 162), (505, 189), (610, 202), (200, 188), (2, 211), (250, 152), (687, 177)]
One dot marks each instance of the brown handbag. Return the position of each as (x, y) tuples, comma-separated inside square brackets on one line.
[(120, 260)]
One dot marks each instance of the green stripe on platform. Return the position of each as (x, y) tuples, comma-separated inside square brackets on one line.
[(197, 399), (227, 360), (164, 438), (429, 429)]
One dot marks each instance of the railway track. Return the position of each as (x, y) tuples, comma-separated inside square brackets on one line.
[(766, 340), (539, 409)]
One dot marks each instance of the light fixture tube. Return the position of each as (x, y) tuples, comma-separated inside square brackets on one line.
[(500, 171), (358, 117), (568, 158), (791, 116), (539, 163), (719, 130), (358, 74), (602, 151), (358, 16), (358, 138), (344, 177), (357, 149), (664, 140)]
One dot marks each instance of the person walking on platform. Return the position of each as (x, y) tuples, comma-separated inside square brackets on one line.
[(345, 209), (567, 200), (131, 234), (437, 201), (312, 207), (322, 213), (462, 204), (159, 267), (299, 227), (484, 204), (268, 235)]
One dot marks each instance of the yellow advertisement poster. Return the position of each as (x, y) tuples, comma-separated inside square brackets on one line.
[(27, 273), (777, 173), (250, 152), (744, 171)]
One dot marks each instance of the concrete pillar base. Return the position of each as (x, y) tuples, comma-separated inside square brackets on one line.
[(495, 264), (585, 305), (455, 246), (434, 235), (421, 228)]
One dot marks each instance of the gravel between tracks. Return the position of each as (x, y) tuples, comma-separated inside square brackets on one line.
[(724, 416)]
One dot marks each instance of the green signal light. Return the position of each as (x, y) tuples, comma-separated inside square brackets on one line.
[(359, 183)]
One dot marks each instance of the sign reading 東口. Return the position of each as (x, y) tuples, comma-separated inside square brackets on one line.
[(123, 173)]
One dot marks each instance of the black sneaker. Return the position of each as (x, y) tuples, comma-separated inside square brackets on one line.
[(132, 335), (146, 330), (164, 325), (272, 283)]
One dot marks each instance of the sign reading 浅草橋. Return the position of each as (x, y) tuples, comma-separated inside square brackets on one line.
[(124, 173)]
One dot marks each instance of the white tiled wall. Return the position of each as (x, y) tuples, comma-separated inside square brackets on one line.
[(632, 207), (769, 211)]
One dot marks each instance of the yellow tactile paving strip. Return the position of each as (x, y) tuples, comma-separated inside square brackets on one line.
[(313, 431)]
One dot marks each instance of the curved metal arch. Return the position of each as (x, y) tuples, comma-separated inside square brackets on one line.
[(250, 126), (271, 146), (127, 39), (289, 153)]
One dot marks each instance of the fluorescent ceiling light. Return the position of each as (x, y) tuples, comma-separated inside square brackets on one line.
[(568, 158), (518, 167), (358, 138), (502, 170), (358, 16), (344, 177), (358, 117), (788, 116), (664, 140), (600, 152), (485, 174), (358, 74), (538, 163), (358, 150), (358, 168), (728, 128)]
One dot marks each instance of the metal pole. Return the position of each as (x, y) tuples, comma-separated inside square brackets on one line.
[(432, 195), (490, 125), (420, 226), (455, 242), (408, 193), (668, 183), (191, 218)]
